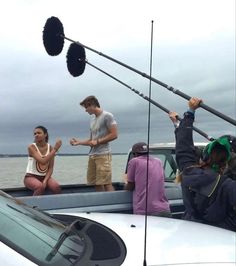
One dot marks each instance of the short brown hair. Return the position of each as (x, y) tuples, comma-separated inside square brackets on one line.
[(90, 100)]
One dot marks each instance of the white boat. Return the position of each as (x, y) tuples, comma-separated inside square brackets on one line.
[(83, 198), (30, 237)]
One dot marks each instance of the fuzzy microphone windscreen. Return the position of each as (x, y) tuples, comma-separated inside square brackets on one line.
[(76, 59), (53, 36)]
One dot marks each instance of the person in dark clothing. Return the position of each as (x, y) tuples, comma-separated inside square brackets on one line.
[(231, 169), (209, 192)]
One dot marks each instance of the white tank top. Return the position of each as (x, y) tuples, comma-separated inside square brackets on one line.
[(34, 167)]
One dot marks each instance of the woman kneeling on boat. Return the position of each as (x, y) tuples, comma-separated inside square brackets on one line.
[(40, 163)]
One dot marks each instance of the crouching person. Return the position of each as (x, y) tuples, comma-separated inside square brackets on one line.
[(138, 181), (40, 163)]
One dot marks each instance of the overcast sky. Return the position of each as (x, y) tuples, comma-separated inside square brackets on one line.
[(193, 51)]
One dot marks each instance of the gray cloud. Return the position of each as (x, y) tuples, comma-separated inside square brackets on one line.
[(37, 89)]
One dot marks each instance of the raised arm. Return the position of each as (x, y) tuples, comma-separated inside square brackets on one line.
[(185, 151), (43, 160)]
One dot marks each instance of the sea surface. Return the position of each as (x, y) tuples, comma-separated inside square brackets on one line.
[(67, 169)]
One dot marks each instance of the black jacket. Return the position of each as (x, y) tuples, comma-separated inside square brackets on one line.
[(207, 196)]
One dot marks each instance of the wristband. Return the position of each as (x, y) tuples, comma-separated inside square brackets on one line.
[(176, 124), (191, 111)]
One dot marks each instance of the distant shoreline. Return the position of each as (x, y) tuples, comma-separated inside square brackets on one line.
[(60, 154)]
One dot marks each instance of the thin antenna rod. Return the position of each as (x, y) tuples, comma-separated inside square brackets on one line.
[(205, 135), (148, 144)]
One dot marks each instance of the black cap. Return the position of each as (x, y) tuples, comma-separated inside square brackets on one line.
[(140, 147)]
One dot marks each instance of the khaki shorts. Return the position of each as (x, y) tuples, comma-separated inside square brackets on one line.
[(99, 170)]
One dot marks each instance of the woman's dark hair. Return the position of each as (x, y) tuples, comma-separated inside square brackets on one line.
[(218, 157), (45, 131)]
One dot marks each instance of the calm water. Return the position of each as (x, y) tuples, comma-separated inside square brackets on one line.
[(67, 170)]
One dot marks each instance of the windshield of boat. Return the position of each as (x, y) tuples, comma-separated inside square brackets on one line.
[(167, 155), (33, 234), (57, 240)]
